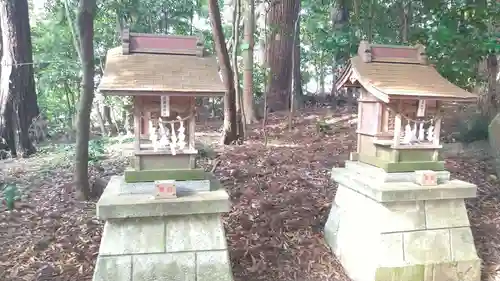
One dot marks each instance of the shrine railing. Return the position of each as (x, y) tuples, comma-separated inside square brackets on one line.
[(166, 136), (415, 133), (408, 132)]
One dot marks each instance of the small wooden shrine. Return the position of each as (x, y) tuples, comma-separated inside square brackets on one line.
[(399, 110), (163, 217), (163, 74)]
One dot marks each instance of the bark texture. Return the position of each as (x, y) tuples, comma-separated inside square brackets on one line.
[(281, 18), (230, 127), (18, 101), (247, 54), (492, 72), (113, 130), (297, 74), (86, 34)]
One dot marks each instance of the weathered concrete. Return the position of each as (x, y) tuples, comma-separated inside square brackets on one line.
[(147, 239), (116, 204), (394, 187), (384, 230), (182, 187)]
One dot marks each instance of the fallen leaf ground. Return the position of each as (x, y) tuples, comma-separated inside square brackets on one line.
[(280, 195)]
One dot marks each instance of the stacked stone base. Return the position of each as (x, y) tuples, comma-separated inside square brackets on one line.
[(162, 239), (383, 227)]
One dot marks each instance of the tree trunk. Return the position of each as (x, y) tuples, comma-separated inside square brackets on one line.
[(281, 18), (18, 100), (247, 53), (86, 34), (108, 119), (321, 74), (129, 120), (293, 88), (369, 31), (297, 75), (493, 100), (241, 128), (405, 21), (230, 127), (100, 120)]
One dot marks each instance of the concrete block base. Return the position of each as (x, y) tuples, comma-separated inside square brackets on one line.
[(417, 238), (179, 239)]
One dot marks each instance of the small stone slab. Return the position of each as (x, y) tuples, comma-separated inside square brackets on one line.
[(195, 233), (379, 175), (213, 265), (402, 191), (446, 213), (462, 244), (427, 246), (133, 236), (173, 266), (113, 268), (114, 205), (183, 187)]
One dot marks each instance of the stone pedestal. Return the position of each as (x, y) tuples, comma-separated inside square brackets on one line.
[(144, 239), (384, 226)]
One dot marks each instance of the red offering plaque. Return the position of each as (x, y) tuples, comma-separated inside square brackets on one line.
[(426, 178), (165, 189)]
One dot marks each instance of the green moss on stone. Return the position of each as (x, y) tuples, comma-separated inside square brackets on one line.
[(399, 167), (406, 273), (153, 175)]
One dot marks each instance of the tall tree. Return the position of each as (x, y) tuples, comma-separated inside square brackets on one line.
[(247, 53), (230, 133), (297, 74), (18, 101), (85, 19), (282, 16)]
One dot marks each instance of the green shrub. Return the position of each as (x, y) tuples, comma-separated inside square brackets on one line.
[(473, 129), (96, 150)]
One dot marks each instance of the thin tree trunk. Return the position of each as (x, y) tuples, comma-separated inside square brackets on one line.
[(100, 120), (369, 31), (86, 34), (18, 100), (297, 75), (76, 43), (493, 69), (241, 124), (236, 40), (405, 21), (293, 93), (247, 53), (230, 126), (108, 119)]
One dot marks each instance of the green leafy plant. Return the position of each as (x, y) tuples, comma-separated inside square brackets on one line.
[(323, 127), (10, 194), (96, 150)]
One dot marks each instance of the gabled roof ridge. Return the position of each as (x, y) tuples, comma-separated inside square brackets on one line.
[(161, 44), (392, 53)]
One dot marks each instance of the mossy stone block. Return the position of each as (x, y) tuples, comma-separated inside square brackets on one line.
[(154, 175), (407, 273)]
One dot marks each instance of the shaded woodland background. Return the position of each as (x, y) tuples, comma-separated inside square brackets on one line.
[(273, 55), (283, 127)]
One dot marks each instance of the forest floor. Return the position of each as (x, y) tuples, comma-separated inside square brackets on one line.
[(280, 194)]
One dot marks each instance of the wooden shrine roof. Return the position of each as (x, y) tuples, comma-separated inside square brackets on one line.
[(398, 72), (149, 64)]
